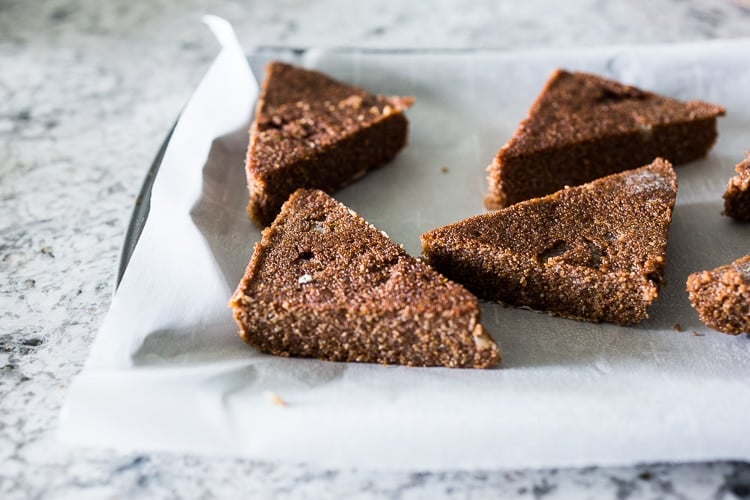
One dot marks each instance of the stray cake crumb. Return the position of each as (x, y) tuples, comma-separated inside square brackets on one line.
[(274, 398), (696, 334), (677, 327), (444, 169)]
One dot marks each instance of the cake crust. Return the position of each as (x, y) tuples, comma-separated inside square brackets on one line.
[(315, 132), (583, 127), (324, 283), (594, 252), (737, 195), (722, 296)]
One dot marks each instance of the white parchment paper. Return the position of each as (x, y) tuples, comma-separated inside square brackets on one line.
[(168, 372)]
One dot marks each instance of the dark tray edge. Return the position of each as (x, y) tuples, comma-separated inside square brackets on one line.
[(141, 209)]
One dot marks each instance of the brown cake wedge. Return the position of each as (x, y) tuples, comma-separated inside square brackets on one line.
[(583, 127), (722, 296), (594, 252), (737, 195), (315, 132), (324, 283)]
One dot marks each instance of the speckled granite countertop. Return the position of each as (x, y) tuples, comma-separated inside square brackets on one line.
[(88, 91)]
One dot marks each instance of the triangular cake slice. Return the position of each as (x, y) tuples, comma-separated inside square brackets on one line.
[(722, 296), (737, 195), (324, 283), (594, 252), (315, 132), (583, 127)]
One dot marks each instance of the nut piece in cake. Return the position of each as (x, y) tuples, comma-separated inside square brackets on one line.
[(737, 195), (594, 252), (324, 283), (583, 127), (722, 296), (315, 132)]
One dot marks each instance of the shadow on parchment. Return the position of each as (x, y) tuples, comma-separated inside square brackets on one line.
[(219, 214), (174, 348)]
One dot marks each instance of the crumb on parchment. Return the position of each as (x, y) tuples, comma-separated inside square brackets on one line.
[(274, 398)]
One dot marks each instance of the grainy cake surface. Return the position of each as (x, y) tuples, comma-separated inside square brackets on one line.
[(737, 195), (315, 132), (594, 252), (583, 127), (324, 283), (722, 296)]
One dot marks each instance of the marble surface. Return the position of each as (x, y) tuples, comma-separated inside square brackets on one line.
[(88, 90)]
